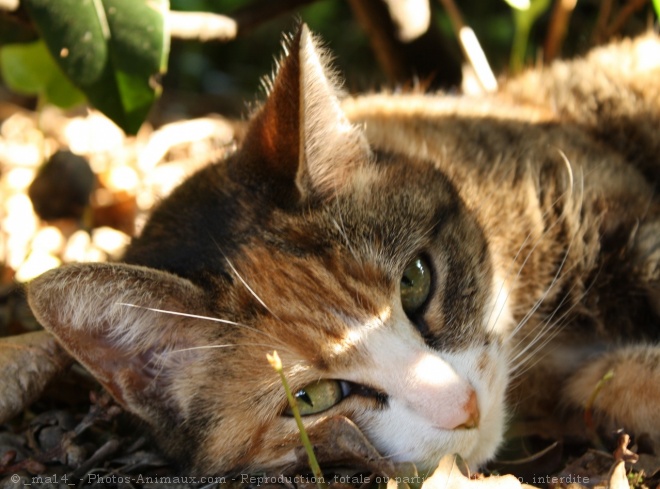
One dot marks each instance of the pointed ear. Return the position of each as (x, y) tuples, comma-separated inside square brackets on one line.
[(98, 312), (301, 141)]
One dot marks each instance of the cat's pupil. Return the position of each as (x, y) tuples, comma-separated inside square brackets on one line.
[(317, 397), (415, 285), (302, 395)]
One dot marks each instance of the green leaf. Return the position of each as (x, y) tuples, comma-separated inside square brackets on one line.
[(113, 50), (656, 5), (29, 69)]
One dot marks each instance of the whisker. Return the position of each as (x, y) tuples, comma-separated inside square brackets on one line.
[(534, 346), (549, 323), (205, 318), (558, 327), (540, 300), (569, 167), (541, 338), (176, 313), (254, 294), (226, 345), (567, 193), (341, 227)]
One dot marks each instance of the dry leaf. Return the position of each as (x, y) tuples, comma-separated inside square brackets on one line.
[(618, 478), (622, 452), (338, 441), (27, 363), (449, 476)]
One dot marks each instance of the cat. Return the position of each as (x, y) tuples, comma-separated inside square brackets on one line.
[(424, 264)]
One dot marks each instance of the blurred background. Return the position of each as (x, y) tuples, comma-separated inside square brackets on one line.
[(75, 187), (78, 180)]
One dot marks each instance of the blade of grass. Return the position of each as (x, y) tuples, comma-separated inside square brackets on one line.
[(276, 363), (588, 408)]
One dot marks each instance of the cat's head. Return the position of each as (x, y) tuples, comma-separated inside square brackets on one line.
[(364, 270)]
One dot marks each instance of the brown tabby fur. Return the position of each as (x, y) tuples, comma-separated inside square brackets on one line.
[(536, 207)]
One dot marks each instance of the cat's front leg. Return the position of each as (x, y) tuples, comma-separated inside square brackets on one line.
[(621, 386), (621, 389)]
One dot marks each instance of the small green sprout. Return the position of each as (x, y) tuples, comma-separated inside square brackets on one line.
[(276, 363)]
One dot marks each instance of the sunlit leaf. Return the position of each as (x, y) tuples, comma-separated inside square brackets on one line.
[(518, 4), (113, 50), (29, 69)]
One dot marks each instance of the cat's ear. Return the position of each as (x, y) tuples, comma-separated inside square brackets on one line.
[(107, 316), (301, 140)]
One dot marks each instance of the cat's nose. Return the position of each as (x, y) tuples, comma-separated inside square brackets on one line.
[(471, 409)]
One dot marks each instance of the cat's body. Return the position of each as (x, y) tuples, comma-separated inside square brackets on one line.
[(470, 239)]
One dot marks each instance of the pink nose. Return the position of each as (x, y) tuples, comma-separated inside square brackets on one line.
[(471, 409), (433, 389)]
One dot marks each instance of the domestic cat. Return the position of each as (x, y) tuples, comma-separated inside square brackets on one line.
[(408, 256)]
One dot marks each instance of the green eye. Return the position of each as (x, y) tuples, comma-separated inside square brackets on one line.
[(415, 285), (318, 397)]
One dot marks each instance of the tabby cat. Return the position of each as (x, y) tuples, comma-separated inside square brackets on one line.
[(423, 265)]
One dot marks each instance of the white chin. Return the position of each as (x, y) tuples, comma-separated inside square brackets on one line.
[(403, 436)]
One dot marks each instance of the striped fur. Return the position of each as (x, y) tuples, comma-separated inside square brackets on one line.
[(535, 208)]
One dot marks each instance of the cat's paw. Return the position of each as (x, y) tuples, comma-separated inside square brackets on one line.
[(647, 251), (646, 261), (629, 398)]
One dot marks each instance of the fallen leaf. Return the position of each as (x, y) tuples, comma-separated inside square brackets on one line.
[(449, 476), (618, 478), (622, 452), (338, 441)]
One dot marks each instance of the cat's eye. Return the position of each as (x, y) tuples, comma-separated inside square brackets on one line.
[(415, 285), (317, 397)]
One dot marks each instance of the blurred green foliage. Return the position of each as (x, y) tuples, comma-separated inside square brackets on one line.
[(29, 69), (232, 71), (215, 76), (110, 50)]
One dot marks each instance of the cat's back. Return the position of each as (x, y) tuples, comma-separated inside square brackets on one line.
[(563, 160), (605, 106)]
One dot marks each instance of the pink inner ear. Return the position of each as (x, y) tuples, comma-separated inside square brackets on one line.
[(273, 139), (121, 345), (301, 141), (332, 147), (127, 373)]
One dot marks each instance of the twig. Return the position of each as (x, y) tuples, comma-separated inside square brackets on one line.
[(406, 63), (630, 8), (9, 5), (471, 47), (411, 18), (373, 17), (601, 22), (256, 13), (201, 26), (561, 14)]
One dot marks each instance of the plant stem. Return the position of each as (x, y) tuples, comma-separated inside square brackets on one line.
[(276, 363)]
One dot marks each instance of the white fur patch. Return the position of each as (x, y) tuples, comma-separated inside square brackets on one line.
[(498, 317), (428, 391)]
